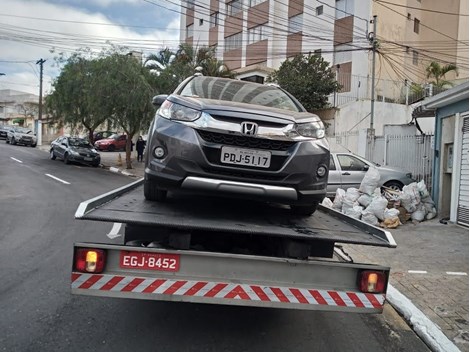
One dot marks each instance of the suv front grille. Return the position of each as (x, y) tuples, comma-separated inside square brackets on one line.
[(242, 141)]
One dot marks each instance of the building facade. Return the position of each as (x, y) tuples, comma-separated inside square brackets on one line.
[(253, 37)]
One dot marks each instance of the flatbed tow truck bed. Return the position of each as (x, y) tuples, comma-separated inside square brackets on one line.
[(183, 270)]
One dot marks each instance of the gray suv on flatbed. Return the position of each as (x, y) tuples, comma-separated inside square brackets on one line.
[(229, 137)]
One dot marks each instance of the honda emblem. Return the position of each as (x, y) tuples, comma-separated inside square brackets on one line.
[(249, 128)]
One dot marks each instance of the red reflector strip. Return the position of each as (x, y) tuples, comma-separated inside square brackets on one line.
[(222, 290)]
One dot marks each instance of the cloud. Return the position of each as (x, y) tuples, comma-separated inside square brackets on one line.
[(25, 36)]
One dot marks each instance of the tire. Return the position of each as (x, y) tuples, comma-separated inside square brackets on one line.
[(52, 155), (66, 159), (153, 193), (305, 210), (95, 165), (33, 145), (111, 148), (394, 185), (13, 142), (7, 141)]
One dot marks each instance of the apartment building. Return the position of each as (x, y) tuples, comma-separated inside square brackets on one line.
[(253, 37)]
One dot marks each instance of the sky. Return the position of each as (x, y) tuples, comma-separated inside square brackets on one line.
[(32, 30)]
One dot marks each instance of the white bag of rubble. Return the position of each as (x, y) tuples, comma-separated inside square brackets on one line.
[(432, 214), (327, 202), (423, 191), (350, 199), (370, 181), (409, 197), (430, 207), (369, 217), (355, 212), (391, 213), (377, 207), (339, 197), (419, 213), (364, 200)]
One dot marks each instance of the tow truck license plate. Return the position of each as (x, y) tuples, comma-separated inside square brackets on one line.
[(248, 157), (149, 261)]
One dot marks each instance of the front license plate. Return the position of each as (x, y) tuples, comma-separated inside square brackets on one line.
[(150, 261), (88, 159), (248, 157)]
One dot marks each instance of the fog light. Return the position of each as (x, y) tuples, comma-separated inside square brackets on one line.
[(321, 171), (159, 152)]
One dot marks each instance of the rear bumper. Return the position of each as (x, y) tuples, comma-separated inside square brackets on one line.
[(234, 279)]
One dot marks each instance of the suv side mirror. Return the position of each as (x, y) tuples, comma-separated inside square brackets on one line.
[(366, 167), (158, 100)]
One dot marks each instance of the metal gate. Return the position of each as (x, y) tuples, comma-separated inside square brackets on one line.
[(413, 153), (462, 208)]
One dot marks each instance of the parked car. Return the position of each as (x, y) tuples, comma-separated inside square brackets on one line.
[(114, 142), (348, 169), (74, 149), (21, 135), (4, 131), (102, 135), (230, 137)]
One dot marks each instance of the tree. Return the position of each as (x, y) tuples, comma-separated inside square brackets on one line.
[(126, 95), (438, 72), (74, 95), (309, 78)]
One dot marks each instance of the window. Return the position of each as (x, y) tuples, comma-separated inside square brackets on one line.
[(344, 8), (201, 21), (319, 10), (256, 2), (190, 4), (351, 163), (214, 20), (416, 27), (332, 163), (257, 33), (409, 16), (189, 30), (233, 42), (415, 57), (295, 24), (234, 7)]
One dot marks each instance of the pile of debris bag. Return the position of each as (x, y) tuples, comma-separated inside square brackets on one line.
[(383, 206)]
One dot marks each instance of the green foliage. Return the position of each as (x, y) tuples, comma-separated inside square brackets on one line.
[(113, 88), (438, 72), (309, 78)]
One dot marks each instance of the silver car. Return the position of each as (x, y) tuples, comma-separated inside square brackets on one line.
[(348, 169), (230, 137), (21, 135)]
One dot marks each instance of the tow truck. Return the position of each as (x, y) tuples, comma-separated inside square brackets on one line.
[(228, 251)]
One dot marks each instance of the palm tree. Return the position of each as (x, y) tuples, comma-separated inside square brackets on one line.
[(438, 72), (160, 61)]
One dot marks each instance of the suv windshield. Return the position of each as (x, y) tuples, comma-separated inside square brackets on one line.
[(239, 91), (23, 130), (79, 142)]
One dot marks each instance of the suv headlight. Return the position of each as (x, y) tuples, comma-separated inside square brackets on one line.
[(311, 129), (178, 112)]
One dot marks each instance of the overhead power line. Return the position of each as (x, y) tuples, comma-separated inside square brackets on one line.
[(426, 10)]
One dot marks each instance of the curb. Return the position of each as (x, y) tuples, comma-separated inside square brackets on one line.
[(119, 171)]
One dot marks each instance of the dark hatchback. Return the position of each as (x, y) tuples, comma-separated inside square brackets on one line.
[(230, 137), (74, 149)]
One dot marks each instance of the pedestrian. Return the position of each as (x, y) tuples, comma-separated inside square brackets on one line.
[(140, 146)]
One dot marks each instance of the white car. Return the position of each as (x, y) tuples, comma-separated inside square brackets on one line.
[(20, 135)]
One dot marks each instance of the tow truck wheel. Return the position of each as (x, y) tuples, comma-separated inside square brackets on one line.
[(306, 210), (152, 192)]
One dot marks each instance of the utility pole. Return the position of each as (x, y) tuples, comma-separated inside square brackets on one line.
[(40, 62), (373, 42)]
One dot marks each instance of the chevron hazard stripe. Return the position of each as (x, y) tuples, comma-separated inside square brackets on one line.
[(224, 290)]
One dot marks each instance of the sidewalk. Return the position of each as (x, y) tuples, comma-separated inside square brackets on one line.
[(429, 272)]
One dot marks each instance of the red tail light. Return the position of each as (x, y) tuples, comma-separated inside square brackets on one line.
[(90, 260), (372, 281)]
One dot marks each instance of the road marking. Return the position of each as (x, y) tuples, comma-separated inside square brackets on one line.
[(19, 161), (417, 272), (457, 273), (115, 231), (57, 179)]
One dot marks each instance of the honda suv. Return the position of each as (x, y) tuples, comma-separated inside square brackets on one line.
[(229, 137)]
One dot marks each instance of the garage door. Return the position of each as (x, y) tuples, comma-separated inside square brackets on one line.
[(462, 209)]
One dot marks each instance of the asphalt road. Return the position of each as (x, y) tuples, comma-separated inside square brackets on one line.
[(38, 199)]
